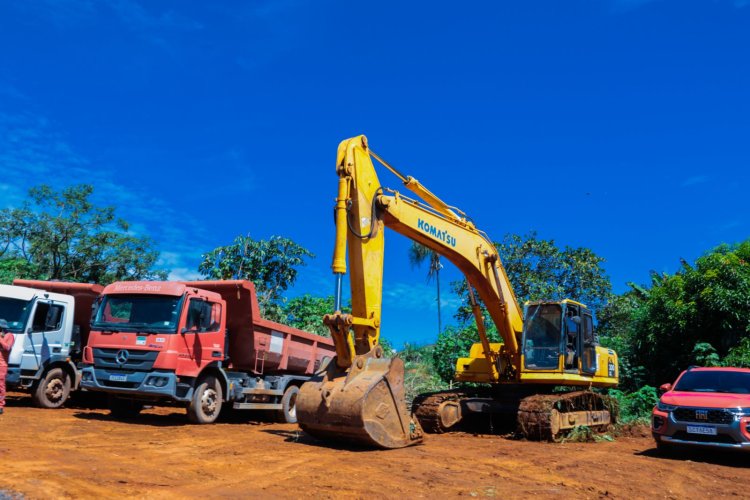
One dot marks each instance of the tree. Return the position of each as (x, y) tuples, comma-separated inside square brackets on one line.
[(615, 328), (16, 267), (306, 313), (62, 235), (271, 265), (418, 254), (695, 315), (539, 270)]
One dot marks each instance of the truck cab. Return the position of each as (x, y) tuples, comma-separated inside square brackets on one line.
[(49, 327), (154, 339), (198, 345)]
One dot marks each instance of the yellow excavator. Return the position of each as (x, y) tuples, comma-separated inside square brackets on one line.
[(359, 396)]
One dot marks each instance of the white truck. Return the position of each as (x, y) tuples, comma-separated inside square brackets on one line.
[(51, 322)]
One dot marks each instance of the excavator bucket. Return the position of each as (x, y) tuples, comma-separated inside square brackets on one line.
[(363, 405)]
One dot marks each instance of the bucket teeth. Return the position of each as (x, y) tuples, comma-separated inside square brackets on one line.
[(364, 406)]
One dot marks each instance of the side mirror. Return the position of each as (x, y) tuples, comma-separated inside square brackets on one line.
[(184, 331), (665, 387)]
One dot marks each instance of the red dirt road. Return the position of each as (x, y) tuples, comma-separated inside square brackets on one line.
[(85, 453)]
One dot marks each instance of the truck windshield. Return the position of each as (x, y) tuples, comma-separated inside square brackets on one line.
[(714, 381), (15, 312), (157, 313)]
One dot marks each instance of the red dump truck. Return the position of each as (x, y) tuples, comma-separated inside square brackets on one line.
[(199, 344)]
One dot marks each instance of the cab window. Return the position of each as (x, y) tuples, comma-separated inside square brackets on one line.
[(203, 316), (47, 317)]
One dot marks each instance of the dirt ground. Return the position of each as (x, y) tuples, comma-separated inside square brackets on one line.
[(81, 452)]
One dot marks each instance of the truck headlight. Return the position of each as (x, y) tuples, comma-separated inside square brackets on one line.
[(665, 407)]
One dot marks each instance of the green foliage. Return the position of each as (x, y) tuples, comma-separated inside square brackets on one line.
[(705, 355), (61, 235), (420, 375), (388, 350), (418, 254), (271, 265), (739, 355), (16, 267), (539, 270), (306, 313), (453, 343), (635, 406), (615, 332), (585, 434), (700, 315)]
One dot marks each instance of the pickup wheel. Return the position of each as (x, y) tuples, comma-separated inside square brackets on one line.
[(205, 406), (124, 409), (288, 412), (52, 390)]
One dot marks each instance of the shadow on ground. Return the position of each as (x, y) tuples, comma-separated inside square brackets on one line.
[(727, 458)]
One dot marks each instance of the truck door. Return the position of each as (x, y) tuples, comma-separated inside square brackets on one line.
[(45, 335), (588, 347), (203, 334)]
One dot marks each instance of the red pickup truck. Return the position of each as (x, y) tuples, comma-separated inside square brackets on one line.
[(706, 407), (199, 344)]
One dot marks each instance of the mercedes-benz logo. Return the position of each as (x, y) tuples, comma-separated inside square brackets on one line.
[(122, 357)]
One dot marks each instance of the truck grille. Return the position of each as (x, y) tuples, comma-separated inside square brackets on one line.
[(125, 359), (711, 416)]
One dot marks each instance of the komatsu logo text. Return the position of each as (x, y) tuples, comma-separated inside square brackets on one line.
[(436, 233)]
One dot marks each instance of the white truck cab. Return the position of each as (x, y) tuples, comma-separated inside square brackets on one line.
[(47, 336)]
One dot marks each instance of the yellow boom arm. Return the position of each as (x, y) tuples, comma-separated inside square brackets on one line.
[(363, 209)]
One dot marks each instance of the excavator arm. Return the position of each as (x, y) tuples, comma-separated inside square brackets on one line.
[(364, 208), (360, 396)]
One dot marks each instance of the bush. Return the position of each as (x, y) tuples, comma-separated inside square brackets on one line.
[(636, 406)]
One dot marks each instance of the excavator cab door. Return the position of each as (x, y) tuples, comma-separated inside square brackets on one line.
[(588, 345)]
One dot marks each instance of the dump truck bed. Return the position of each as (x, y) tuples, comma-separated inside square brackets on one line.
[(258, 345)]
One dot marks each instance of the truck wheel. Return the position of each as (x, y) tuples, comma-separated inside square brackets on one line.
[(52, 390), (205, 406), (124, 408), (288, 412)]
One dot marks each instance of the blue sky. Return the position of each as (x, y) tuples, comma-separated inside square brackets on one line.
[(620, 125)]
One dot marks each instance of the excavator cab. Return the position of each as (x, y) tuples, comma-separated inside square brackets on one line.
[(559, 336)]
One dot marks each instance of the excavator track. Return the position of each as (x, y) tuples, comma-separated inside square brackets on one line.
[(437, 412), (549, 417)]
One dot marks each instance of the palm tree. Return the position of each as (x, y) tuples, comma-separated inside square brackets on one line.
[(419, 253)]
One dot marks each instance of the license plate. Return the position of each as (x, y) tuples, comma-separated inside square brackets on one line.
[(124, 378), (701, 429)]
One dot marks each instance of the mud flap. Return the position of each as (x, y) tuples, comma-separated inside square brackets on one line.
[(364, 405)]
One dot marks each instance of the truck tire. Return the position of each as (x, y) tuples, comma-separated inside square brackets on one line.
[(52, 390), (205, 406), (288, 412), (124, 409)]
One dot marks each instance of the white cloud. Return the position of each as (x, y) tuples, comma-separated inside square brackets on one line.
[(418, 297), (32, 152), (184, 274)]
